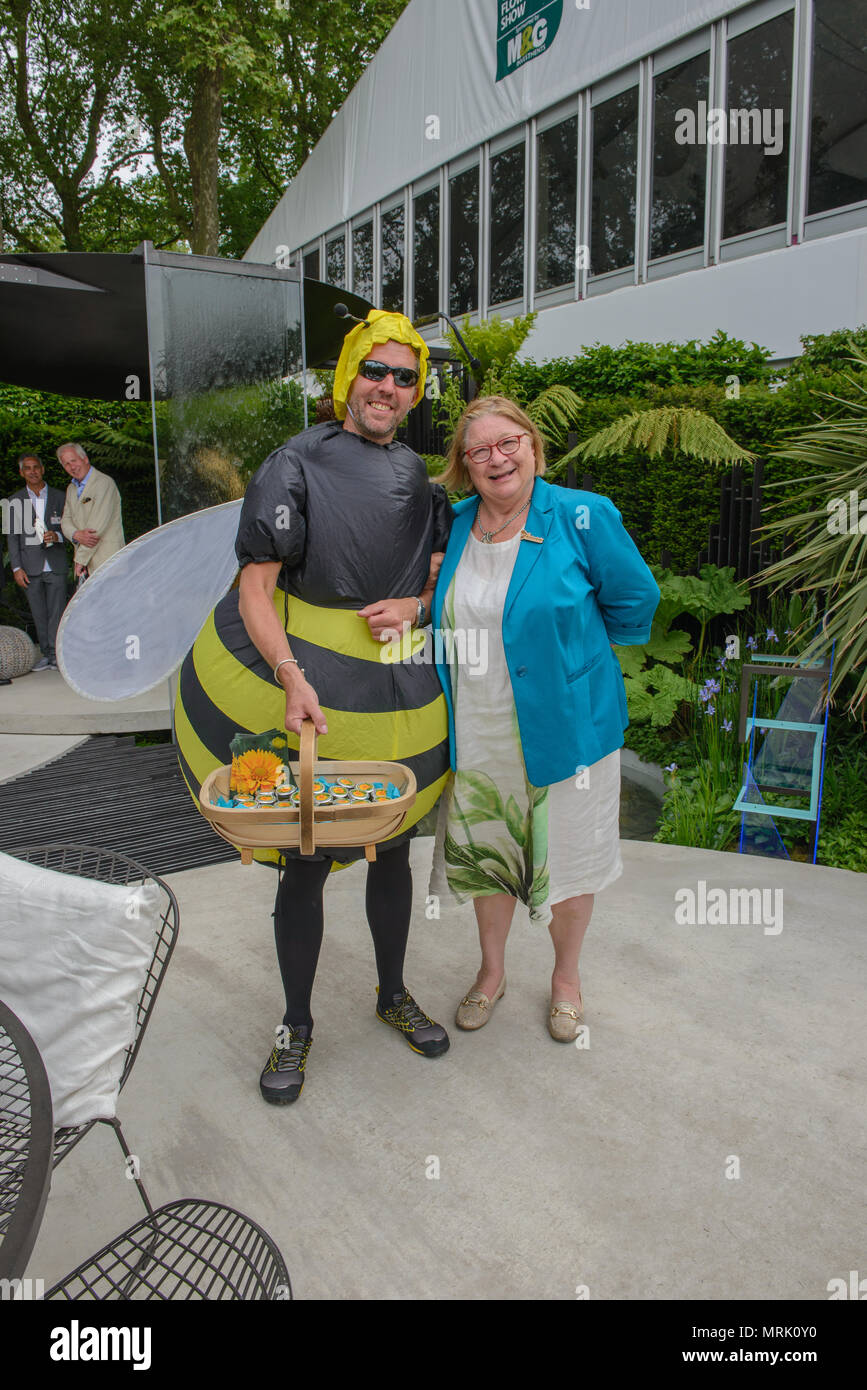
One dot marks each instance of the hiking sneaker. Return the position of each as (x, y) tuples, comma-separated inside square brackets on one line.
[(283, 1078), (423, 1035)]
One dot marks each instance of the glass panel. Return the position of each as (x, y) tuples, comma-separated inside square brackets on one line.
[(838, 145), (222, 344), (613, 196), (311, 265), (335, 262), (362, 261), (392, 260), (464, 242), (557, 160), (757, 150), (677, 206), (507, 225), (426, 252)]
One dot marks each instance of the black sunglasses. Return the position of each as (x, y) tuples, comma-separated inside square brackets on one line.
[(378, 371)]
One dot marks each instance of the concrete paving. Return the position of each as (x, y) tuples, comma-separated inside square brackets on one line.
[(41, 702), (25, 752), (708, 1143)]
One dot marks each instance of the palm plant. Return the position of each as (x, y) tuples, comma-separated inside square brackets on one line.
[(828, 537)]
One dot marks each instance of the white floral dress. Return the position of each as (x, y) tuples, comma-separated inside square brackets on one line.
[(496, 832)]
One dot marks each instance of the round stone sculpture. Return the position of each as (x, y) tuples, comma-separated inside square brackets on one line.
[(18, 654)]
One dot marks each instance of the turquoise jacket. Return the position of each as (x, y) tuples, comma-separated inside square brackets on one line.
[(583, 587)]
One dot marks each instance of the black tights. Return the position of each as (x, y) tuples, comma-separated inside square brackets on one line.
[(298, 925)]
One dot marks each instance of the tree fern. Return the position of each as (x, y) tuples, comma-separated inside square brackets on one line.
[(680, 428)]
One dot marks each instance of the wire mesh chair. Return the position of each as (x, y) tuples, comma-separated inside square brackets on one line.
[(86, 861), (185, 1250), (26, 1133)]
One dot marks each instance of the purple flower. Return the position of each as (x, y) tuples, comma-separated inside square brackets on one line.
[(730, 687), (721, 664), (771, 636), (752, 643), (727, 725), (711, 709), (672, 767)]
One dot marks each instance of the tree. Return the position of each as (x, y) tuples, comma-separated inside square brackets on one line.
[(65, 131), (180, 122)]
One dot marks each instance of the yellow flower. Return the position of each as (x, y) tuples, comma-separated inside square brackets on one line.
[(279, 741), (254, 770)]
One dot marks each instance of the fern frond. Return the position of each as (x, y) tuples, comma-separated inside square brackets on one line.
[(684, 429)]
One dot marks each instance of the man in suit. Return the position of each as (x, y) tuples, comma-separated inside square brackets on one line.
[(37, 555), (91, 517)]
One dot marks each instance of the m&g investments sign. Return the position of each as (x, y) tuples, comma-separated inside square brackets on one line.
[(525, 28)]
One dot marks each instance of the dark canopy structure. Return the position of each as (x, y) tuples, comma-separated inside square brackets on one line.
[(77, 323), (209, 341)]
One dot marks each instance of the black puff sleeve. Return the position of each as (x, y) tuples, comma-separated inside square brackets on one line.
[(273, 525), (443, 516)]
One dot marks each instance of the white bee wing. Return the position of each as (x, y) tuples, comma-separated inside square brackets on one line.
[(132, 623)]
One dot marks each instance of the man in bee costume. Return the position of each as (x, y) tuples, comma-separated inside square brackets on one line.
[(342, 527)]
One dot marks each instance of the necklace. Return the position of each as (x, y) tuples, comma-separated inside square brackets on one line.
[(488, 536)]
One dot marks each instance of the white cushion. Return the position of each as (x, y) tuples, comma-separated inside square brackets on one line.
[(74, 956)]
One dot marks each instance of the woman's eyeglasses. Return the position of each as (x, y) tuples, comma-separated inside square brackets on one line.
[(483, 452), (378, 371)]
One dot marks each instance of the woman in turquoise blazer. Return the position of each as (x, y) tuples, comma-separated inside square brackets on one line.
[(538, 582)]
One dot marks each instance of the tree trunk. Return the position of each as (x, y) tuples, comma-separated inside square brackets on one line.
[(201, 145)]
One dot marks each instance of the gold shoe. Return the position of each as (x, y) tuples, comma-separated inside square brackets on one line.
[(476, 1008), (564, 1020)]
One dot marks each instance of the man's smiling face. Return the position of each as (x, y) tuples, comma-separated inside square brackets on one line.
[(76, 467), (378, 407), (32, 473)]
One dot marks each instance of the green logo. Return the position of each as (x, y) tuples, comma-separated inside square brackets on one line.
[(525, 28)]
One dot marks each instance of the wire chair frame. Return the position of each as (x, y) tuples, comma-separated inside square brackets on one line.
[(26, 1143), (190, 1249), (108, 866)]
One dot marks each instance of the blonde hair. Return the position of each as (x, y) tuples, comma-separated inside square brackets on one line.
[(456, 477)]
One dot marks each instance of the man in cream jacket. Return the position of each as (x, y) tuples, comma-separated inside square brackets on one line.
[(91, 517)]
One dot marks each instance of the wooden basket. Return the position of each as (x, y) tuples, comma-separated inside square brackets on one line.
[(308, 827)]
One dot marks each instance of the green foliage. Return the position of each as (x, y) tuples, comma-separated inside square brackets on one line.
[(828, 554), (495, 342), (635, 368), (828, 352), (678, 429), (222, 432), (660, 674), (844, 845)]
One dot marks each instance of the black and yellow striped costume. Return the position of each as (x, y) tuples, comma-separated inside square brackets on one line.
[(353, 522)]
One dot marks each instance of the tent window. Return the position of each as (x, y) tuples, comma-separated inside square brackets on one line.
[(393, 243), (838, 143), (760, 93), (613, 189), (557, 161), (507, 225), (679, 169), (335, 262), (426, 252), (464, 242), (362, 261)]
